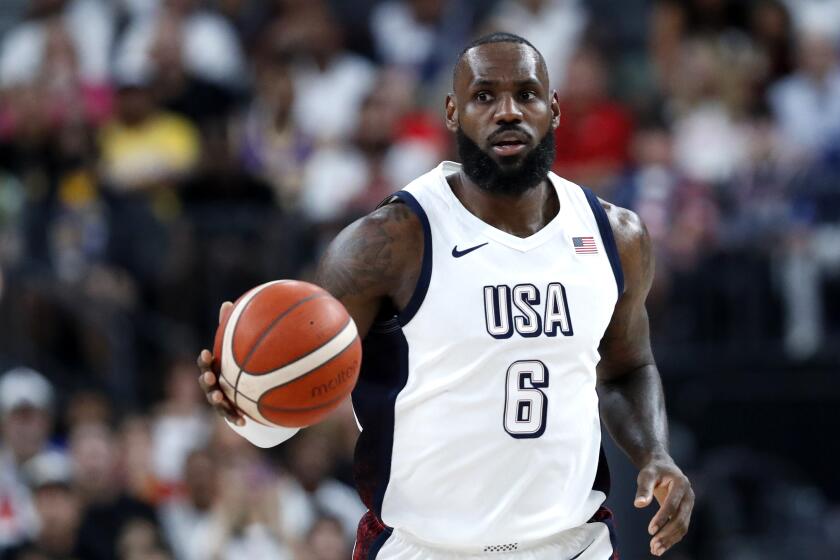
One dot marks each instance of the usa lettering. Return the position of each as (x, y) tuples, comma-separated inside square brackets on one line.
[(524, 310)]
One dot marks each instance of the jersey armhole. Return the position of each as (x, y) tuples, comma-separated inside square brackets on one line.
[(425, 277), (607, 237)]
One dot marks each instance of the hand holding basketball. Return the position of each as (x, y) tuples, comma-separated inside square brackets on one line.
[(209, 382), (286, 354)]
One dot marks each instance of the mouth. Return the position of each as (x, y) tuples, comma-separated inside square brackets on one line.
[(509, 148), (509, 143)]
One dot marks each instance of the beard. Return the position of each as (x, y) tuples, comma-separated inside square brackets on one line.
[(483, 170)]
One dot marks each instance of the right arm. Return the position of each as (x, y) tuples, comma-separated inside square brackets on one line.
[(372, 261)]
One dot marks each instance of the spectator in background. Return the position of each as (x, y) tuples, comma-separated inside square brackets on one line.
[(675, 23), (245, 520), (771, 28), (385, 153), (180, 426), (49, 476), (710, 94), (821, 14), (183, 514), (326, 540), (270, 142), (594, 133), (420, 37), (144, 146), (87, 27), (181, 89), (311, 490), (329, 82), (63, 85), (680, 215), (209, 47), (141, 540), (555, 27), (806, 105), (26, 401), (99, 482), (137, 460)]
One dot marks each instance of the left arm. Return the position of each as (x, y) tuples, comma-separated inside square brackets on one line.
[(630, 390)]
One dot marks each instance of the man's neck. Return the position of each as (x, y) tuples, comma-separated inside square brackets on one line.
[(521, 214)]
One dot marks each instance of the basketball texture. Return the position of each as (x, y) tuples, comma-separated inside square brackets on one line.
[(287, 353)]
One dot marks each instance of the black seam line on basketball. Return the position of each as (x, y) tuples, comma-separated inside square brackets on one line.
[(265, 333), (298, 358), (309, 372), (233, 354), (304, 409), (281, 408)]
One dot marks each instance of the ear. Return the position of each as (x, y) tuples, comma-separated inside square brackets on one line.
[(555, 109), (451, 113)]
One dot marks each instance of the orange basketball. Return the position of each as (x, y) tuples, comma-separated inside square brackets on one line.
[(287, 354)]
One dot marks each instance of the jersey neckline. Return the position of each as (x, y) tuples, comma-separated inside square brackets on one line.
[(474, 222)]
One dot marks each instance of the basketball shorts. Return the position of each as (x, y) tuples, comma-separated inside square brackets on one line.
[(594, 540)]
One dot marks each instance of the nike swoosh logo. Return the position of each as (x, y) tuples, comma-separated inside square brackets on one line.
[(458, 254)]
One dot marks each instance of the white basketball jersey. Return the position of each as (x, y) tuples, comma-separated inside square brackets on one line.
[(477, 402)]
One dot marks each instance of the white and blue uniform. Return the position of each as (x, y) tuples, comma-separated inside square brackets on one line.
[(477, 402)]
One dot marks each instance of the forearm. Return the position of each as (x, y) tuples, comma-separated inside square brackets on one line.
[(633, 410)]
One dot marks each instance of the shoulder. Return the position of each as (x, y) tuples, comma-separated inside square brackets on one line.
[(627, 226), (376, 252), (395, 219), (633, 243)]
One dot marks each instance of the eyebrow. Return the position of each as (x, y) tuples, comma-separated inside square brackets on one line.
[(486, 82)]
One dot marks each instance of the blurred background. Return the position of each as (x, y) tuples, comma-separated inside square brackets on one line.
[(158, 157)]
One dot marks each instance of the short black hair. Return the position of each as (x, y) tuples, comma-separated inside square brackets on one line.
[(496, 37)]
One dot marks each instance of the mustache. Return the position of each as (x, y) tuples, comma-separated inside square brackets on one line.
[(508, 127)]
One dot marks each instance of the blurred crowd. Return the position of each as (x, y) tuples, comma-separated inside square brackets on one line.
[(87, 482), (158, 157)]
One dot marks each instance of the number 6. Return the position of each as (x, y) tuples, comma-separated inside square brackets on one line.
[(526, 406)]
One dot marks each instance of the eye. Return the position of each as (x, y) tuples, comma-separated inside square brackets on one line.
[(527, 95), (483, 96)]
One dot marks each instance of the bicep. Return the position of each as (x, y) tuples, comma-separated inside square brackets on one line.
[(369, 262), (625, 345)]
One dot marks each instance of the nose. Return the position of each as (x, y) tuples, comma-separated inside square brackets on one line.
[(507, 110)]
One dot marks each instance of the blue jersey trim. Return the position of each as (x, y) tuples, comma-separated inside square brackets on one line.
[(383, 374), (607, 237), (426, 268)]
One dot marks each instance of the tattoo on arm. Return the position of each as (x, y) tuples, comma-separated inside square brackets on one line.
[(372, 259)]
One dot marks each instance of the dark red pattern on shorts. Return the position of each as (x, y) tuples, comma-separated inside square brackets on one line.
[(605, 516), (370, 529)]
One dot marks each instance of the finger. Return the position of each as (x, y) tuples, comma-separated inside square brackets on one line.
[(209, 380), (668, 508), (205, 360), (675, 529), (225, 408), (224, 310), (644, 493)]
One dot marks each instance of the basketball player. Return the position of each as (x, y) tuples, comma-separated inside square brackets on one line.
[(494, 298)]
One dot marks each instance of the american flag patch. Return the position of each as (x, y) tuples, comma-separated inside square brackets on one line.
[(584, 245)]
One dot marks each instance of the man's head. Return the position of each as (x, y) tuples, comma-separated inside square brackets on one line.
[(503, 113), (50, 476), (95, 455), (201, 479), (26, 399)]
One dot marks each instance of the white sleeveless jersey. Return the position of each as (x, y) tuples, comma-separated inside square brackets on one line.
[(477, 402)]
